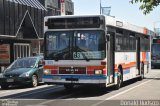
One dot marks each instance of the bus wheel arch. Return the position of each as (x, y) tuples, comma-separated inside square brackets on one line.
[(121, 69)]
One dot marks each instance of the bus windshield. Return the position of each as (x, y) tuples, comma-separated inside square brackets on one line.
[(156, 50), (75, 45)]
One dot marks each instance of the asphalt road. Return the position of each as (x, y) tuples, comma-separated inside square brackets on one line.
[(134, 92)]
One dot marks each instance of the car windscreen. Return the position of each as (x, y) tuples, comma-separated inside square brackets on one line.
[(24, 63)]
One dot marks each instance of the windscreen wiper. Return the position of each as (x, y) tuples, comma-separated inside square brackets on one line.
[(56, 58), (85, 57)]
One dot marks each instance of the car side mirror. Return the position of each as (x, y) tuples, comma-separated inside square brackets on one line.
[(40, 65)]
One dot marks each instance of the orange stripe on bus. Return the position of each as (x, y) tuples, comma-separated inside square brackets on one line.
[(143, 56), (132, 64), (90, 69), (50, 67), (129, 65)]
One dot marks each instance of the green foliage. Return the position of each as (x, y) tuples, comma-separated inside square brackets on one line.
[(146, 5)]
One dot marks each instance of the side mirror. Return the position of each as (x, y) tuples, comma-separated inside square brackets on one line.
[(40, 65)]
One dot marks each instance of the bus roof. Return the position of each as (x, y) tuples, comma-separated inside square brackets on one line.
[(68, 16), (111, 21)]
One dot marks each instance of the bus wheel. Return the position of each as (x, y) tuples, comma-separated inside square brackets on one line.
[(147, 67), (119, 79), (142, 71), (68, 86)]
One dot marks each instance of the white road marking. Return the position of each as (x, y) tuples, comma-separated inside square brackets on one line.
[(120, 93), (36, 92), (12, 92), (5, 92), (43, 103), (127, 90), (35, 105)]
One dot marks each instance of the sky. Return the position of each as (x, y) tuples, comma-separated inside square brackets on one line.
[(122, 10)]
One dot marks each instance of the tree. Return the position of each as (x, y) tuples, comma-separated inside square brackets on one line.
[(147, 5)]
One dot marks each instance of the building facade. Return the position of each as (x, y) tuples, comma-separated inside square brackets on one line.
[(58, 7), (21, 26), (22, 18), (21, 22)]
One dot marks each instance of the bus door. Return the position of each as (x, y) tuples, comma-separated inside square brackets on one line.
[(138, 58), (110, 57)]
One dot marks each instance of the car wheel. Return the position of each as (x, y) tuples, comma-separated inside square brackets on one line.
[(4, 86), (34, 81)]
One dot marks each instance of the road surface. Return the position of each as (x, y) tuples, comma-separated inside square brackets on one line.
[(134, 92)]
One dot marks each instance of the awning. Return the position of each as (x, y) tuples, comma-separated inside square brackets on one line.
[(32, 3)]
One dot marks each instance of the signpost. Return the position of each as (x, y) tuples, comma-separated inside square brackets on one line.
[(105, 10), (63, 11)]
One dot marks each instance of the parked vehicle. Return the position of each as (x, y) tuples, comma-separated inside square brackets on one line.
[(28, 70)]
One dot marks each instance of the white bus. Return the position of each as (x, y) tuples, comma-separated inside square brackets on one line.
[(93, 49)]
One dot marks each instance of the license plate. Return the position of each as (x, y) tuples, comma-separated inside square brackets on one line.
[(10, 80)]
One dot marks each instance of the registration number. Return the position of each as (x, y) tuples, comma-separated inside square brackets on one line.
[(10, 80)]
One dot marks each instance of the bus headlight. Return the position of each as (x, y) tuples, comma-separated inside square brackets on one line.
[(97, 72), (46, 72)]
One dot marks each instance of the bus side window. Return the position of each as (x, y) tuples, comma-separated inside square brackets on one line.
[(119, 43)]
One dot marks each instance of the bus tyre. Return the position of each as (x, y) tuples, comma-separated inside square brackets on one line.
[(4, 86), (119, 79), (147, 67), (142, 71), (34, 82), (68, 86)]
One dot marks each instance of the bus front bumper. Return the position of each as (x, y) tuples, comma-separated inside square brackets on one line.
[(74, 79)]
